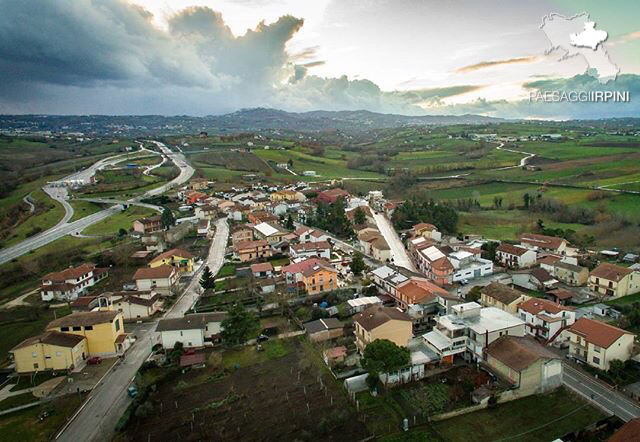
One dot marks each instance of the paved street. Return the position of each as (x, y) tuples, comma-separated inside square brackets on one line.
[(60, 194), (599, 393), (398, 251), (106, 403)]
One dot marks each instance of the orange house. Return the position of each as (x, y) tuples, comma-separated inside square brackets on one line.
[(315, 274)]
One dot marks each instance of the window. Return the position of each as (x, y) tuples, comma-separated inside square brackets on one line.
[(181, 333), (596, 349), (64, 329), (34, 354), (88, 327), (117, 324), (596, 360), (77, 328)]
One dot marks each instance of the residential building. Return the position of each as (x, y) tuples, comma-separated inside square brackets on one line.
[(204, 227), (271, 232), (528, 366), (262, 270), (614, 281), (560, 296), (366, 238), (359, 304), (332, 195), (241, 233), (134, 305), (545, 319), (515, 257), (199, 184), (324, 329), (161, 279), (551, 244), (103, 330), (571, 274), (206, 212), (469, 330), (502, 296), (252, 250), (179, 259), (426, 230), (51, 350), (192, 331), (70, 283), (368, 216), (536, 278), (598, 343), (628, 432), (434, 263), (148, 225), (320, 249), (260, 216), (314, 275), (287, 195), (379, 322), (380, 250)]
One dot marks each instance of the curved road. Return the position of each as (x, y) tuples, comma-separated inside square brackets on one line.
[(59, 193)]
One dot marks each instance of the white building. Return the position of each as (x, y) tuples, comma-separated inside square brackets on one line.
[(193, 331), (468, 266), (70, 283), (545, 319), (320, 249), (470, 329)]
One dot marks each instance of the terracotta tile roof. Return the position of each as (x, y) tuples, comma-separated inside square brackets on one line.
[(561, 293), (300, 266), (511, 249), (380, 244), (150, 220), (324, 324), (163, 271), (310, 246), (376, 315), (415, 293), (537, 305), (549, 259), (70, 273), (83, 319), (542, 241), (541, 274), (423, 226), (629, 432), (610, 272), (596, 332), (501, 292), (518, 353), (173, 252), (52, 338), (261, 267), (442, 264)]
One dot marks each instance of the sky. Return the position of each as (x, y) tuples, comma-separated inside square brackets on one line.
[(202, 57)]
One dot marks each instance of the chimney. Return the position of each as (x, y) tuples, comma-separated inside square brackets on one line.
[(486, 338)]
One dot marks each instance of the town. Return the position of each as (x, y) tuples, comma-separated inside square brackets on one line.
[(256, 310)]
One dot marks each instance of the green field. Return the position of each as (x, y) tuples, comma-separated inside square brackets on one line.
[(83, 208), (535, 418), (122, 220)]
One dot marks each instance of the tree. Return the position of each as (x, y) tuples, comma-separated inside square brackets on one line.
[(289, 224), (168, 219), (384, 356), (290, 163), (359, 216), (122, 232), (239, 325), (357, 263), (489, 249), (473, 295), (207, 280)]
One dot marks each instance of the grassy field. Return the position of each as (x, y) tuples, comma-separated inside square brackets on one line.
[(83, 208), (122, 220), (535, 418), (26, 424)]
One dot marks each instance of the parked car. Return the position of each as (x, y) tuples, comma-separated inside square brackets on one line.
[(262, 338), (94, 360), (132, 391)]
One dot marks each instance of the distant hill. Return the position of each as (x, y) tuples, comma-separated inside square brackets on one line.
[(245, 120), (264, 118)]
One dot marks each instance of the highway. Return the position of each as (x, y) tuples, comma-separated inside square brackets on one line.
[(59, 192), (98, 416), (599, 393)]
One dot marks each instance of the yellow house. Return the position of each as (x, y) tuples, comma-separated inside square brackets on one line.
[(598, 343), (178, 258), (50, 351), (320, 278), (378, 322), (614, 281), (103, 330), (502, 296)]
